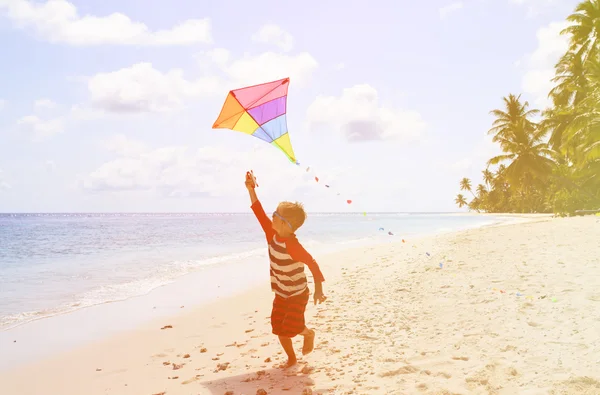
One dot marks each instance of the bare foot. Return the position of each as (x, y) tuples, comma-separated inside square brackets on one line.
[(288, 364), (309, 343)]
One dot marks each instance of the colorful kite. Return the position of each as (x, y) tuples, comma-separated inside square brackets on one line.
[(259, 111)]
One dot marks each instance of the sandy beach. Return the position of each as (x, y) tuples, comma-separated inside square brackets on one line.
[(511, 309)]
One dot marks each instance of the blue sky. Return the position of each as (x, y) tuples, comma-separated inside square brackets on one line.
[(108, 106)]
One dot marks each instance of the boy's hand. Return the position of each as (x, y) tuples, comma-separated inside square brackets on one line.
[(250, 181), (319, 296)]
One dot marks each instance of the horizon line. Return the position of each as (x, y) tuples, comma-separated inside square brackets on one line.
[(226, 212)]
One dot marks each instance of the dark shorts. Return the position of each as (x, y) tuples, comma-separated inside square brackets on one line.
[(287, 316)]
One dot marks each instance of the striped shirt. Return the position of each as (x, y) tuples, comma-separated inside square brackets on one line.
[(287, 258)]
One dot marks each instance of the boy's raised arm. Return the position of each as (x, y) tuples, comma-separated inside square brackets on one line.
[(253, 197), (258, 210)]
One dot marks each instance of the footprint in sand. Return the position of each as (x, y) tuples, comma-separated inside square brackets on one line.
[(408, 369), (579, 385), (594, 297), (195, 378), (460, 358)]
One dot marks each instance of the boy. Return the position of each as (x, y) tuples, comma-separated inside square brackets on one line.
[(288, 281)]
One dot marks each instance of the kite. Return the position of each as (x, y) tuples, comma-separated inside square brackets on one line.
[(260, 111)]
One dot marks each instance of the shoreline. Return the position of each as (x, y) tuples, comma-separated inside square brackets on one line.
[(160, 302), (225, 319), (366, 344), (228, 259)]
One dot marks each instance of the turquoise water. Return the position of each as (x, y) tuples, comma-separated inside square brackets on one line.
[(55, 263)]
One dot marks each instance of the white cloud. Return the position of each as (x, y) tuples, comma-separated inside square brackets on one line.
[(44, 103), (450, 8), (40, 129), (2, 103), (539, 65), (358, 115), (254, 69), (123, 146), (142, 88), (84, 113), (275, 35), (178, 171), (535, 7), (58, 21), (340, 66), (218, 56)]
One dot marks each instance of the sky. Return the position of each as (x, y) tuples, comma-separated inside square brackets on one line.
[(108, 106)]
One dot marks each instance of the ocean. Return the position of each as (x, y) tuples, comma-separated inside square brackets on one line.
[(51, 264)]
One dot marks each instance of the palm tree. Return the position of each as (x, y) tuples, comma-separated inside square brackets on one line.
[(460, 200), (574, 122), (575, 127), (570, 79), (572, 87), (488, 177), (481, 191), (562, 172), (514, 117), (475, 204), (528, 157), (522, 143), (585, 126), (465, 185), (585, 29)]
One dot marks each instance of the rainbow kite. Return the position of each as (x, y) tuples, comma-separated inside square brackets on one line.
[(259, 111)]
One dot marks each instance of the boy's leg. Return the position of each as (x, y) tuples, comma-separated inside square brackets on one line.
[(292, 324), (277, 323), (309, 340), (308, 334), (288, 347)]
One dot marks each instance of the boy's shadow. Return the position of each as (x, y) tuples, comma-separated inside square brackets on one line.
[(273, 381)]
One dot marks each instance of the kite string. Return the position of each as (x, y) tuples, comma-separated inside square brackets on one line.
[(348, 201)]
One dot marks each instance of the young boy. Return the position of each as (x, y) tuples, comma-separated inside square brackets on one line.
[(288, 281)]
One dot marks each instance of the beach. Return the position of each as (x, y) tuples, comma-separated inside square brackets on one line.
[(510, 309)]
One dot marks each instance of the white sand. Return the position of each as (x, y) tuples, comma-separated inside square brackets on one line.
[(395, 323)]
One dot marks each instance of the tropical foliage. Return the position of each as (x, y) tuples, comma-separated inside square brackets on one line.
[(550, 159)]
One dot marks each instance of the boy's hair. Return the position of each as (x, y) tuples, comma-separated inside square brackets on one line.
[(293, 212)]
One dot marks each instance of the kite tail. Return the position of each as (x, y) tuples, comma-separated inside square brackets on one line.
[(348, 201)]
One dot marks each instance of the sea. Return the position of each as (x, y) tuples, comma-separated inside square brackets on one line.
[(53, 264)]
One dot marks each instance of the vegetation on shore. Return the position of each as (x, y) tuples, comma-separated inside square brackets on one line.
[(550, 161)]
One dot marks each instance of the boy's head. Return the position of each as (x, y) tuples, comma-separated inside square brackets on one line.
[(288, 218)]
